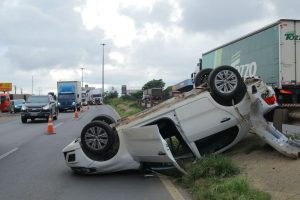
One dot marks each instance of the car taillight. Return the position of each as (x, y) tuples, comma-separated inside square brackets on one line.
[(270, 100), (285, 92)]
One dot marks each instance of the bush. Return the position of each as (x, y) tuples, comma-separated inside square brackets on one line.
[(215, 177), (211, 166)]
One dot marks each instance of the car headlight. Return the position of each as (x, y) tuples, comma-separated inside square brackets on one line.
[(46, 107), (58, 103), (73, 103), (24, 107)]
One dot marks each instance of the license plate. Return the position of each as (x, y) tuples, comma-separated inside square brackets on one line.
[(33, 114)]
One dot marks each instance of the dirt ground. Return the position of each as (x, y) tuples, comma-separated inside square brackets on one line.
[(267, 169)]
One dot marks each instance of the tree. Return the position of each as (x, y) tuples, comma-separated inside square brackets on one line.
[(166, 92), (110, 95), (137, 95), (154, 84)]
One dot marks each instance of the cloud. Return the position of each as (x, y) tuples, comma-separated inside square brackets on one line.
[(146, 39), (219, 15)]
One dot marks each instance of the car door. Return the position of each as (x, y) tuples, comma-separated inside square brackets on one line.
[(146, 145)]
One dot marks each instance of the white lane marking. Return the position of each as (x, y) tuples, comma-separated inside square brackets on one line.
[(57, 125), (8, 153)]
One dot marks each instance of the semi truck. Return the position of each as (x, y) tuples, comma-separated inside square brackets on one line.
[(69, 95), (272, 53), (95, 97)]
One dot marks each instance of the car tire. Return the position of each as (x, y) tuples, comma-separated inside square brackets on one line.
[(24, 120), (226, 85), (97, 137), (280, 117), (202, 77)]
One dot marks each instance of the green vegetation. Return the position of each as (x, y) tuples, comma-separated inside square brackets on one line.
[(154, 84), (217, 177), (125, 107)]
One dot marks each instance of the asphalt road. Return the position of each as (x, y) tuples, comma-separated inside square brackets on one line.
[(32, 165)]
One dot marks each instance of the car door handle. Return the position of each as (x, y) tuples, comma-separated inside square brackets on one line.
[(225, 119), (160, 153)]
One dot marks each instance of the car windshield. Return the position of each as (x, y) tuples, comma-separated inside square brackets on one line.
[(37, 99), (2, 99), (18, 101), (66, 97)]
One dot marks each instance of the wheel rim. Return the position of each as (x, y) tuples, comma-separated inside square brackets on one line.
[(226, 81), (96, 138)]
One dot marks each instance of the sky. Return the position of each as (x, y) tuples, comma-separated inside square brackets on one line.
[(45, 41)]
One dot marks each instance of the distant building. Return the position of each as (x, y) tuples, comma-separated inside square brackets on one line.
[(87, 88), (129, 92)]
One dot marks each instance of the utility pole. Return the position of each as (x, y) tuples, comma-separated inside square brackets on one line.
[(82, 77), (103, 69), (32, 85)]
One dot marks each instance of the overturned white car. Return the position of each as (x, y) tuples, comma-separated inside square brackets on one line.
[(209, 119)]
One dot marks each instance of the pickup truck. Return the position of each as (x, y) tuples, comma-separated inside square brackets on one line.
[(41, 106)]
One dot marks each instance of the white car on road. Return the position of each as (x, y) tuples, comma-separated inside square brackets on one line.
[(211, 118)]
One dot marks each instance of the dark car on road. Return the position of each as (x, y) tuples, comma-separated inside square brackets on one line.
[(39, 107), (16, 105)]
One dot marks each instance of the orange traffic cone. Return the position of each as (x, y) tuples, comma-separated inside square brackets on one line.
[(75, 114), (50, 129)]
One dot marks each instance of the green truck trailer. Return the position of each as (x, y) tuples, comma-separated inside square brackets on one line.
[(272, 53)]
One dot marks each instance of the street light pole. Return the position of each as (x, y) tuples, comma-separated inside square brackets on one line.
[(81, 77), (103, 69)]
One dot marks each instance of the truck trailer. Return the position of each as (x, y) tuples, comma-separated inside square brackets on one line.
[(69, 95), (271, 53)]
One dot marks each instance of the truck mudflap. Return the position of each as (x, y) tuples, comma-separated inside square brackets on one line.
[(268, 133)]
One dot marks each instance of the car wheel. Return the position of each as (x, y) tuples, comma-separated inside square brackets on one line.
[(280, 117), (24, 120), (226, 85), (55, 115), (202, 77), (97, 137)]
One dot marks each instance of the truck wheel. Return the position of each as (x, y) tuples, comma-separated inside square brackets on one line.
[(226, 84), (97, 137), (280, 117), (202, 77), (24, 120)]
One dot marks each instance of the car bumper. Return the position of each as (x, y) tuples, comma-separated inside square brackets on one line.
[(71, 107), (77, 160), (41, 114)]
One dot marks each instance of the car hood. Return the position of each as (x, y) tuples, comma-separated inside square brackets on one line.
[(35, 104)]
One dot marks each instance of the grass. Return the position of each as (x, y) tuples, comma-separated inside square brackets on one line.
[(216, 177), (125, 108)]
